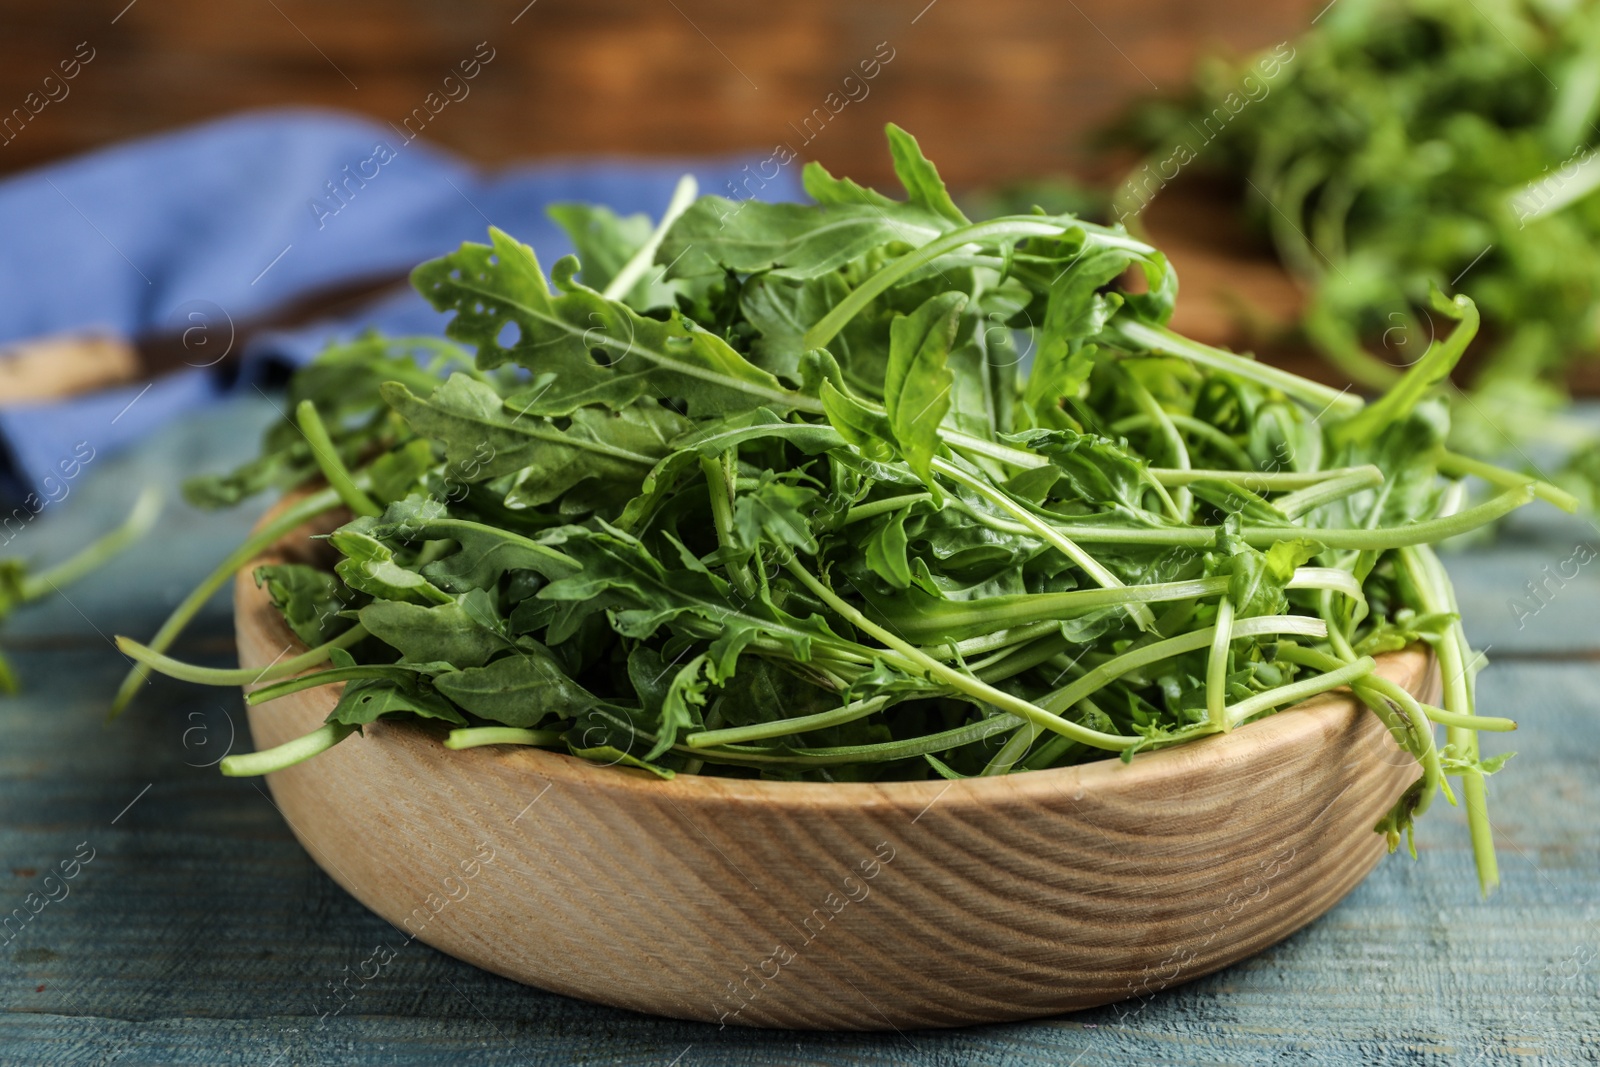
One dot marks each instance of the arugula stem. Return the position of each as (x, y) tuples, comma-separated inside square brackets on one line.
[(1056, 746), (1378, 538), (287, 754), (978, 446), (1303, 501), (297, 514), (1019, 613), (1374, 691), (951, 618), (143, 516), (957, 679), (317, 679), (1379, 693), (873, 508), (625, 279), (1295, 692), (719, 486), (883, 751), (1138, 335), (1427, 372), (1103, 675), (1456, 465), (1203, 431), (1012, 752), (1482, 723), (1050, 534), (1275, 481), (761, 731), (1474, 787), (1432, 587), (1336, 632), (1007, 228), (1180, 503), (1217, 666), (189, 672), (328, 461), (997, 639), (476, 736)]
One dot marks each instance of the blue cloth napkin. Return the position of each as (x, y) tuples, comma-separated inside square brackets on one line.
[(231, 219)]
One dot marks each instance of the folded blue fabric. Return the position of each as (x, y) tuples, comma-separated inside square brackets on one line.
[(237, 217)]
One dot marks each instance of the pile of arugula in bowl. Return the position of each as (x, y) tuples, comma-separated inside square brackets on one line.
[(853, 490)]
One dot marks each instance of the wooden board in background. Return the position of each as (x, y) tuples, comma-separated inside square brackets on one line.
[(996, 90)]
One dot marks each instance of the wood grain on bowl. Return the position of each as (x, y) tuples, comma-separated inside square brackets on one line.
[(843, 906)]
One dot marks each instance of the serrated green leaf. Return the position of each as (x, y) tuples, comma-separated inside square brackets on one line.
[(524, 687), (886, 550), (917, 384), (924, 187), (612, 449), (466, 632), (310, 599), (493, 288)]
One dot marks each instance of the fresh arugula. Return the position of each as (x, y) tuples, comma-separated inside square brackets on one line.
[(20, 584), (797, 507), (1411, 145)]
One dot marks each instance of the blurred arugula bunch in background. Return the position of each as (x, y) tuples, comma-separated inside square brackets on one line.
[(1430, 143)]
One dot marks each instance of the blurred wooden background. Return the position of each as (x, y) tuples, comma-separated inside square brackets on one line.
[(995, 90)]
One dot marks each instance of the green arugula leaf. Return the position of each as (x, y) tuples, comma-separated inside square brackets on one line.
[(310, 599), (466, 632), (858, 424), (611, 448), (643, 594), (368, 700), (792, 240), (370, 566), (493, 287), (1094, 469), (525, 687), (923, 185), (605, 241), (886, 550), (775, 512), (917, 383)]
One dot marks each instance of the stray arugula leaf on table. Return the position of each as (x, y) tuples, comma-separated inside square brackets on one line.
[(20, 584)]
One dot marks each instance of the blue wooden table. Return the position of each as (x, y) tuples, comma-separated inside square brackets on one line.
[(194, 930)]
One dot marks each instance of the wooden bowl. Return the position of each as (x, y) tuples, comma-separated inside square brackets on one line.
[(841, 906)]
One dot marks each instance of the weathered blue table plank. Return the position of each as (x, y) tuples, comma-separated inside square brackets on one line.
[(199, 932)]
